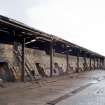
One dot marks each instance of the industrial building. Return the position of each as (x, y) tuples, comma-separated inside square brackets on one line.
[(27, 54)]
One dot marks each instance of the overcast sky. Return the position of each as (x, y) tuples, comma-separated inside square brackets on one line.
[(79, 21)]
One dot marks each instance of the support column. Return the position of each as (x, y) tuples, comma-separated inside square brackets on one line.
[(85, 62), (23, 60), (67, 61), (51, 58), (102, 63), (94, 62), (90, 63), (77, 63), (97, 63)]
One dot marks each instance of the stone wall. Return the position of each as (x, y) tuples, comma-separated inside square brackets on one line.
[(88, 62), (37, 56), (96, 63), (92, 63), (81, 60), (6, 52), (73, 63), (7, 55)]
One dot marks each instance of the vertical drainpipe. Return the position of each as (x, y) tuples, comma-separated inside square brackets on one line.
[(23, 61), (51, 58)]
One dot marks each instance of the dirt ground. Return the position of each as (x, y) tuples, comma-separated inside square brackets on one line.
[(48, 89)]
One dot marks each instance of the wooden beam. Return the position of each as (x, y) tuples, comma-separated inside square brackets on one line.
[(100, 63), (97, 63), (51, 58), (67, 61), (90, 62), (85, 64), (77, 70), (94, 63), (23, 60)]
